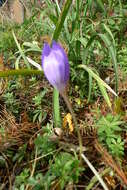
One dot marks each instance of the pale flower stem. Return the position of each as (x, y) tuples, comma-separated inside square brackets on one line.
[(66, 99), (95, 172)]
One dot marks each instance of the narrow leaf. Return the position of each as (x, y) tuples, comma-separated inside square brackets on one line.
[(90, 87), (112, 53), (97, 78), (105, 95), (20, 50)]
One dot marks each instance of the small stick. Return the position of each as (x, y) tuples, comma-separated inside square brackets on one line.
[(95, 172), (66, 99)]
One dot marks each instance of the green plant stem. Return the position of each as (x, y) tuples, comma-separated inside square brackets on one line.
[(56, 109), (23, 72), (61, 19), (59, 25), (66, 99)]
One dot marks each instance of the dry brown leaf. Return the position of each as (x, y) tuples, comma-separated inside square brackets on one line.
[(67, 121)]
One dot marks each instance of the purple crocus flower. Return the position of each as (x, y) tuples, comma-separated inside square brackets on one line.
[(55, 65)]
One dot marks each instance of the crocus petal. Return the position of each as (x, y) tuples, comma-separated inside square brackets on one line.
[(46, 52), (57, 47), (55, 65), (52, 70)]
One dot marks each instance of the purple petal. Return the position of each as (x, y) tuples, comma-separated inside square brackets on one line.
[(46, 51), (53, 70), (55, 65), (58, 48)]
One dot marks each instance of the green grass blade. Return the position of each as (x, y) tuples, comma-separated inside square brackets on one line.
[(17, 62), (32, 47), (101, 5), (109, 44), (87, 46), (58, 7), (109, 32), (48, 2), (35, 64), (61, 19), (97, 78), (77, 25), (105, 95), (112, 53), (90, 87), (20, 50), (101, 84)]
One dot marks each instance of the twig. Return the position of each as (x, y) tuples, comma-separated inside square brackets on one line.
[(94, 179), (4, 3), (43, 156), (95, 172), (66, 99), (108, 159), (69, 147), (2, 187), (33, 169), (9, 178)]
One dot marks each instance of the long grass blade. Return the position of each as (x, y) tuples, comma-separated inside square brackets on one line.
[(90, 87), (61, 19), (20, 50), (101, 5), (87, 46), (112, 53), (35, 64), (97, 78), (101, 83), (111, 47), (105, 95)]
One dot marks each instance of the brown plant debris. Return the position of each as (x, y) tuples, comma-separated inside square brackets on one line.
[(13, 133), (109, 160)]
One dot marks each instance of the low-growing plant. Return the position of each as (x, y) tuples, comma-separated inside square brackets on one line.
[(65, 169), (122, 57), (20, 154), (22, 179), (43, 142), (38, 100), (6, 41), (11, 101), (109, 133)]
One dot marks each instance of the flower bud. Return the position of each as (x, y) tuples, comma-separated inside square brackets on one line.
[(55, 65)]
